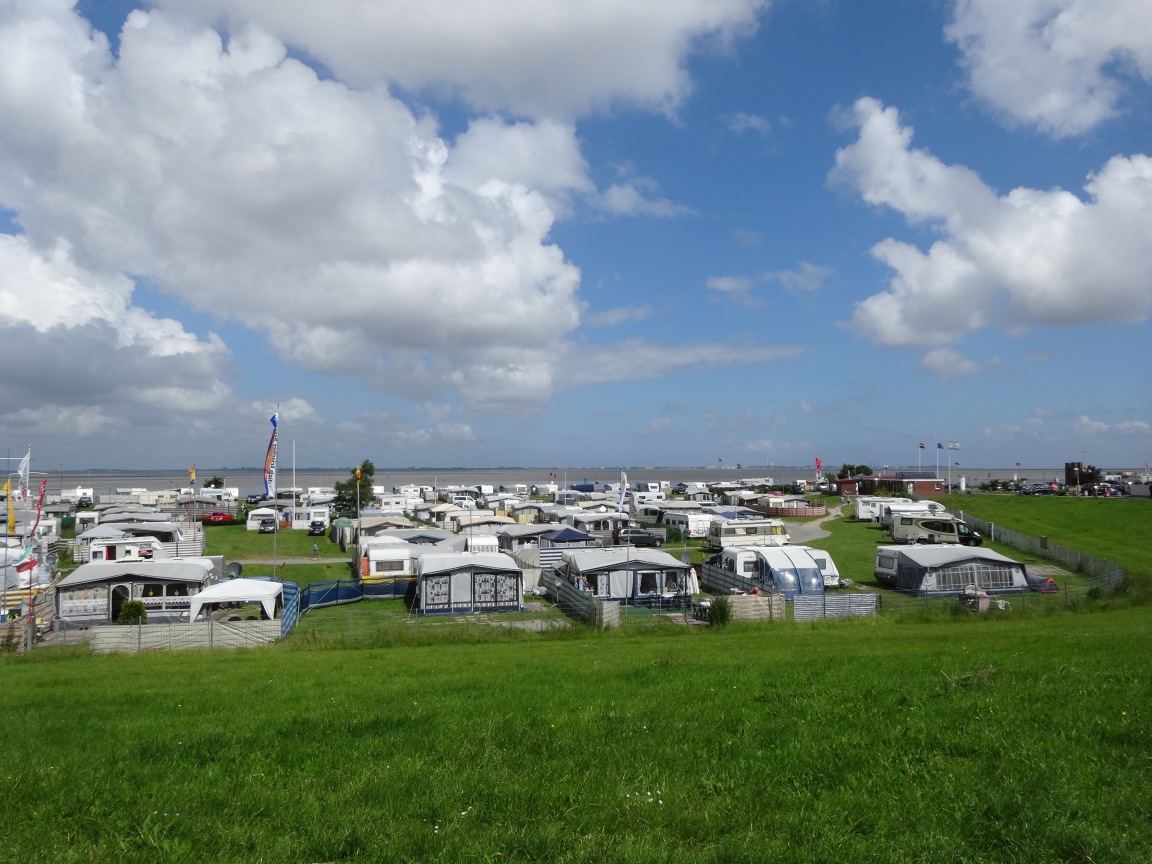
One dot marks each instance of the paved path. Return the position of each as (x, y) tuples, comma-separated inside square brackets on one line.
[(805, 532)]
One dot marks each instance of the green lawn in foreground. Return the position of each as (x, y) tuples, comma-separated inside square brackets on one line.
[(1012, 739)]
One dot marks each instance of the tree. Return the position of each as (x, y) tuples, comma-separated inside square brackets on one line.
[(846, 471), (215, 483), (359, 479)]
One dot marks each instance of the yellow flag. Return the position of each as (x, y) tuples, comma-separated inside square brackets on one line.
[(11, 512)]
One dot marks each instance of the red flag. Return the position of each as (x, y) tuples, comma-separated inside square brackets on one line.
[(819, 464)]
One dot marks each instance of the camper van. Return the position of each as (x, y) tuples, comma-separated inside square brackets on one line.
[(746, 532), (911, 528)]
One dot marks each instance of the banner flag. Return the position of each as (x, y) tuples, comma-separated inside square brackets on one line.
[(270, 460), (819, 465), (25, 465), (623, 492), (192, 475)]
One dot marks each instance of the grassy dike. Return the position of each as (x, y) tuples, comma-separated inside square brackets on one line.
[(1019, 738)]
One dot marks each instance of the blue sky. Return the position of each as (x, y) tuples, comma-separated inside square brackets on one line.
[(555, 234)]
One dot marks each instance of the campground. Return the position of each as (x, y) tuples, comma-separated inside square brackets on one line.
[(1021, 737)]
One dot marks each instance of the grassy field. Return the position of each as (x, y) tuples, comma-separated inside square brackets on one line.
[(1112, 528), (1019, 739)]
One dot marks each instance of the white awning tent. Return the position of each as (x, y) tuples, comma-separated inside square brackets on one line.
[(238, 591)]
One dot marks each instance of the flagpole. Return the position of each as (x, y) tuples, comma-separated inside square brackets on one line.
[(7, 531)]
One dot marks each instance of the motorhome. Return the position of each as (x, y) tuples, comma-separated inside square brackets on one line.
[(746, 532), (907, 508), (936, 528)]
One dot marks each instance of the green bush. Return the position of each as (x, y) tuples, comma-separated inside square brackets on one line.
[(133, 612), (720, 612)]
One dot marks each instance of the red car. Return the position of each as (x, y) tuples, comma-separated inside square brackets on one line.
[(218, 517)]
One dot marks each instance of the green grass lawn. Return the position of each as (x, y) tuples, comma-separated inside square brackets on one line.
[(1022, 739), (236, 543), (1112, 528)]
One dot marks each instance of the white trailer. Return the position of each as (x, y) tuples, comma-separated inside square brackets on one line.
[(689, 524), (746, 532), (869, 507)]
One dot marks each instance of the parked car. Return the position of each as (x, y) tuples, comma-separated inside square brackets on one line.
[(637, 537), (317, 528), (218, 517), (84, 501), (267, 526), (254, 499)]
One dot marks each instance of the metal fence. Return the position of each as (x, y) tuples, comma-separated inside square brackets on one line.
[(136, 638), (813, 607), (1109, 572)]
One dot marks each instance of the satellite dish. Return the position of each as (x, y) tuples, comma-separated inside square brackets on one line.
[(234, 569)]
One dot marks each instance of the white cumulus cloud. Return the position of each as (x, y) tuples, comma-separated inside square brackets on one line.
[(539, 58), (1029, 257), (1061, 66)]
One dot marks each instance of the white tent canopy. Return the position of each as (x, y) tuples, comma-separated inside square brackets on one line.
[(238, 591)]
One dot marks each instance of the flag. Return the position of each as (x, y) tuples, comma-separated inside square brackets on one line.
[(819, 465), (25, 464), (921, 445), (270, 460), (939, 446), (623, 492), (953, 445), (11, 512), (1017, 464), (192, 475), (357, 475), (39, 504)]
